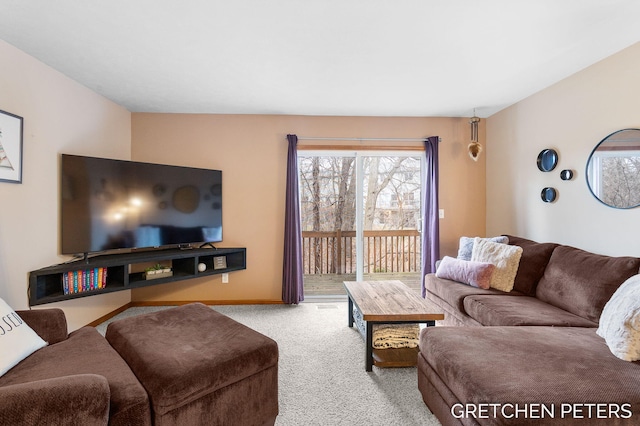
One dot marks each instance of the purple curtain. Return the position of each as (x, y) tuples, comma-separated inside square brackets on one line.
[(292, 287), (430, 220)]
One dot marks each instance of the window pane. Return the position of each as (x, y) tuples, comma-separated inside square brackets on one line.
[(391, 215)]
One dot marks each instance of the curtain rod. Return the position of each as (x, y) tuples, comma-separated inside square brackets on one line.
[(364, 139)]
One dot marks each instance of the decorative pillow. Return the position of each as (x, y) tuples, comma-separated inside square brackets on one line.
[(582, 282), (506, 258), (534, 260), (476, 274), (17, 339), (620, 321), (465, 248)]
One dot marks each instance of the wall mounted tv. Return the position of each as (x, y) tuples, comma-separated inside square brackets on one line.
[(116, 204)]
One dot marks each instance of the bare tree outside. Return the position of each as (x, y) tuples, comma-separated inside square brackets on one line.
[(392, 193), (327, 193), (621, 181)]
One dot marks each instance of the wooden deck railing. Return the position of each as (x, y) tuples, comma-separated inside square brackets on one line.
[(384, 251)]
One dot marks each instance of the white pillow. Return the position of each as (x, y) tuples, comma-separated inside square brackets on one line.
[(620, 321), (505, 257), (17, 339), (465, 247)]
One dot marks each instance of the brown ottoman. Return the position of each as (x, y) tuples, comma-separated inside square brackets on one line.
[(200, 367)]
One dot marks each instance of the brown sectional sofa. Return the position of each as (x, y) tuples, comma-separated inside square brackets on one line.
[(538, 352)]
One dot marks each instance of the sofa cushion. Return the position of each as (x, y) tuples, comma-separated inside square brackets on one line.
[(620, 321), (496, 310), (505, 257), (530, 365), (477, 274), (17, 339), (582, 282), (85, 351), (465, 246), (452, 317), (533, 262), (454, 292)]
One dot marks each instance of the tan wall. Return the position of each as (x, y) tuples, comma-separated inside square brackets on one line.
[(251, 150), (571, 116), (60, 116)]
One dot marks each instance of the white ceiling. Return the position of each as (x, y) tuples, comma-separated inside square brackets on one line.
[(319, 57)]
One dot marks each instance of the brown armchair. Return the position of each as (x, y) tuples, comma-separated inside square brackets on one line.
[(78, 379)]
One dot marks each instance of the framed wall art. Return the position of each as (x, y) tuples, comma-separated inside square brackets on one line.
[(10, 147)]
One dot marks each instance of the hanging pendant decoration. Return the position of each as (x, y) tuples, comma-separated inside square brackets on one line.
[(474, 147)]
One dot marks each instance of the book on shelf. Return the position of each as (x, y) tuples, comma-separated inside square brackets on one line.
[(84, 280)]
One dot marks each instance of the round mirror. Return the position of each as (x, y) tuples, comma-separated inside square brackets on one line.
[(547, 160), (613, 169), (548, 195)]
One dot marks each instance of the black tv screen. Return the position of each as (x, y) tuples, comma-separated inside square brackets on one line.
[(115, 204)]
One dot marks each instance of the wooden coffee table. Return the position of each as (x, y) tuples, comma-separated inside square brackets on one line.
[(389, 302)]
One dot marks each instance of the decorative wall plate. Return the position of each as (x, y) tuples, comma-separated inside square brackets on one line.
[(547, 160), (548, 195), (566, 174)]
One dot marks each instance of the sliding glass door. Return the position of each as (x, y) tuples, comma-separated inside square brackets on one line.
[(360, 214)]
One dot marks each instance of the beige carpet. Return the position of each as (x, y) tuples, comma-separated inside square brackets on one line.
[(322, 379)]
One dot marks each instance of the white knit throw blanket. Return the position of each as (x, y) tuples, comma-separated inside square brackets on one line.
[(387, 336)]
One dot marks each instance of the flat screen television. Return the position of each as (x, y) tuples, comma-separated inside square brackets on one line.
[(115, 204)]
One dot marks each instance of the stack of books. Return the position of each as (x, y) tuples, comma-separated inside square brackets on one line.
[(84, 280)]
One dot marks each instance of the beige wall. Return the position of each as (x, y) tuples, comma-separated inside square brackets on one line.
[(60, 116), (571, 116), (251, 150)]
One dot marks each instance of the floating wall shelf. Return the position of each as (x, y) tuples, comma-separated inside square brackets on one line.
[(125, 271)]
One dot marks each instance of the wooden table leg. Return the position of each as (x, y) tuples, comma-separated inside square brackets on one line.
[(369, 346)]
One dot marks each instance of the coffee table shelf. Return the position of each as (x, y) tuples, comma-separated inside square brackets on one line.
[(388, 302), (395, 357)]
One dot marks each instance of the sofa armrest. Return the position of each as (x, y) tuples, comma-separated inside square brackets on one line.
[(49, 324), (81, 399)]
